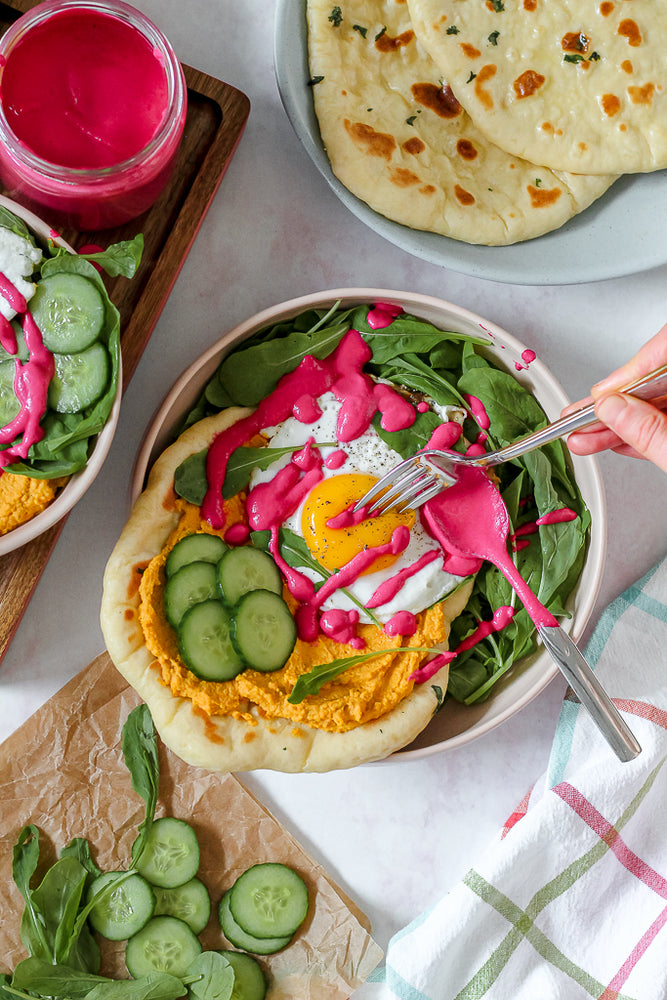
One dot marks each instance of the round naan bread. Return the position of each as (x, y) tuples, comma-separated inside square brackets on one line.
[(578, 86), (226, 743), (399, 140)]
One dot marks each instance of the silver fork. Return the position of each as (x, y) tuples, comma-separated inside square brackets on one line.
[(420, 478)]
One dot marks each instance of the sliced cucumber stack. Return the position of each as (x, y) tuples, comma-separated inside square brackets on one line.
[(226, 607), (264, 908)]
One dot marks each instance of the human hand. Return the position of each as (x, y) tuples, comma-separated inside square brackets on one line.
[(627, 425)]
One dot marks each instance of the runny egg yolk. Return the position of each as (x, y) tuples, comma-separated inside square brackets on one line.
[(334, 547)]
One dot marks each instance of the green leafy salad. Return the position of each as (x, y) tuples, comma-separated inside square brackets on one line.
[(157, 905), (445, 369), (80, 329)]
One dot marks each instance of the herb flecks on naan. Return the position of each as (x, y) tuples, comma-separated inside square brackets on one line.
[(398, 138), (579, 87)]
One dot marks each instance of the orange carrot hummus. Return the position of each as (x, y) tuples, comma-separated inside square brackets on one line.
[(362, 693), (22, 498)]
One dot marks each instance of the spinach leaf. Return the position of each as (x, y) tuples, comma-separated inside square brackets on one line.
[(210, 977), (140, 753), (190, 480), (119, 259), (34, 976), (412, 439)]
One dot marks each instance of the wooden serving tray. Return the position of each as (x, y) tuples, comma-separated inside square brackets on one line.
[(217, 114)]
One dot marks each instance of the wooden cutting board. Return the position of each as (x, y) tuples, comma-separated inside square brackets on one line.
[(217, 114)]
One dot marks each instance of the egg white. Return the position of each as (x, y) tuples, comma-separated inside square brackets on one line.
[(370, 455)]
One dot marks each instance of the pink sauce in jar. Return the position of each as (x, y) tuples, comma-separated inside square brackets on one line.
[(92, 110)]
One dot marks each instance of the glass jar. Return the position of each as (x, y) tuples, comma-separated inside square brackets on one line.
[(92, 110)]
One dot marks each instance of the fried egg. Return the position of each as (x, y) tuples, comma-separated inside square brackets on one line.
[(348, 471)]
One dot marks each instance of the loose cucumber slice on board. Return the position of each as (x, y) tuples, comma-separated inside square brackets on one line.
[(192, 584), (269, 900), (9, 404), (249, 979), (241, 939), (79, 379), (200, 547), (189, 902), (171, 854), (69, 311), (124, 910), (264, 630), (165, 944), (205, 642), (244, 569)]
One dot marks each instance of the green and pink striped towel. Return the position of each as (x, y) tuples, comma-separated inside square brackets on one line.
[(571, 901)]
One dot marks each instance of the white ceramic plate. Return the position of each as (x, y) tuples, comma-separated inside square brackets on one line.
[(455, 724), (623, 232), (80, 482)]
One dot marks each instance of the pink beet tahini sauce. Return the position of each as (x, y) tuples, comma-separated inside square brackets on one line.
[(469, 519), (31, 380)]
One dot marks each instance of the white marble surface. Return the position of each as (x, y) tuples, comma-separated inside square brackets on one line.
[(397, 835)]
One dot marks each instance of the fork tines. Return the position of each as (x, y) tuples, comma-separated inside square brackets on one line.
[(409, 484)]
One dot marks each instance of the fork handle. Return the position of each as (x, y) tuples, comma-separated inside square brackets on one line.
[(650, 386)]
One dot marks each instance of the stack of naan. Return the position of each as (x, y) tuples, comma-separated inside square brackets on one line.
[(488, 121)]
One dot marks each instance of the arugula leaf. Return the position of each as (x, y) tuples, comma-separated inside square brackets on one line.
[(140, 753), (24, 865), (311, 682)]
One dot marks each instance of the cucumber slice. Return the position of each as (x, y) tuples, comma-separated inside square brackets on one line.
[(9, 404), (240, 939), (189, 902), (124, 910), (264, 630), (269, 900), (165, 944), (190, 585), (200, 547), (171, 854), (79, 379), (69, 311), (205, 642), (22, 352), (244, 569), (249, 979)]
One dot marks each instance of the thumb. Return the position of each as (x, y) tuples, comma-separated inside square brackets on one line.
[(638, 423)]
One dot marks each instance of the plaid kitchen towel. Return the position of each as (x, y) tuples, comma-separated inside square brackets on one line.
[(570, 902)]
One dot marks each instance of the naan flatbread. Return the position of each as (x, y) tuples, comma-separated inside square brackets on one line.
[(399, 140), (225, 743), (578, 86)]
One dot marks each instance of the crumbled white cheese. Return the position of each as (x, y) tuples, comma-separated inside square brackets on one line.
[(450, 412), (18, 259)]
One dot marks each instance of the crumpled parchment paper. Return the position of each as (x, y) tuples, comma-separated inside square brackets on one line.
[(63, 770)]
